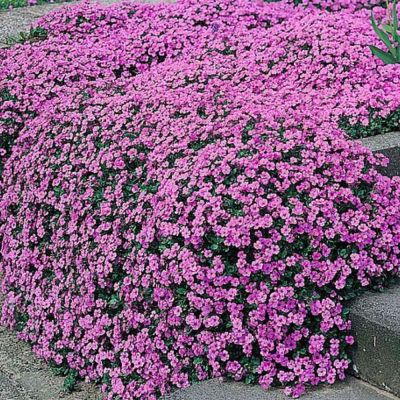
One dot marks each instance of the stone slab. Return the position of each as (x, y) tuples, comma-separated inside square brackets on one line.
[(376, 325), (382, 142), (389, 145), (214, 389), (393, 168)]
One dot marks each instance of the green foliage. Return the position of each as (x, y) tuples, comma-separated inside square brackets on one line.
[(390, 38), (21, 320), (7, 140), (70, 380), (248, 128), (376, 126), (6, 4), (34, 35), (233, 206)]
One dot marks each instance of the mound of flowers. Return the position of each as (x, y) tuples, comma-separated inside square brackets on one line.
[(179, 199), (336, 5)]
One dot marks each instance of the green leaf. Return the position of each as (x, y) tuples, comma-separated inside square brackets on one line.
[(181, 291), (395, 22), (383, 36), (70, 381), (387, 58), (387, 28), (250, 379)]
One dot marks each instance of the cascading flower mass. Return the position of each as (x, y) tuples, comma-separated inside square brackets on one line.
[(180, 198)]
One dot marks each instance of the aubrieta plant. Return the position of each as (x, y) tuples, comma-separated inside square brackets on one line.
[(178, 200), (389, 36), (337, 5)]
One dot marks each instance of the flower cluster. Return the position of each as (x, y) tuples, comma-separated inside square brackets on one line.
[(336, 5), (178, 200)]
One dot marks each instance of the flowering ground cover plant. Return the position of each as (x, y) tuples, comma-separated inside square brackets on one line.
[(336, 5), (179, 196)]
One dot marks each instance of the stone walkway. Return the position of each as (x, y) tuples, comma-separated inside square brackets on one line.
[(17, 20), (24, 377)]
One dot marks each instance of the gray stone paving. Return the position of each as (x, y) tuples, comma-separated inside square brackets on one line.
[(382, 142), (216, 390), (24, 377), (17, 20), (12, 22)]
